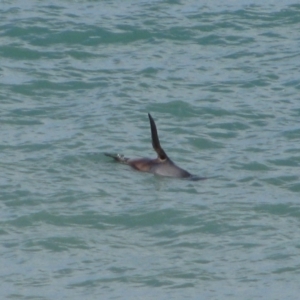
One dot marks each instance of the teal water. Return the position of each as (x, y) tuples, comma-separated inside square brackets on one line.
[(222, 82)]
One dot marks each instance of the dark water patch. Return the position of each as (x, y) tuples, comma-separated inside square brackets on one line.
[(39, 87), (149, 71), (232, 126), (292, 134), (178, 108), (37, 147), (25, 31), (211, 39), (205, 143), (19, 197), (292, 83), (283, 180), (92, 36), (21, 122), (144, 219), (293, 270), (294, 187), (288, 210), (56, 244), (253, 166), (222, 135), (61, 219), (291, 161), (217, 112), (20, 53)]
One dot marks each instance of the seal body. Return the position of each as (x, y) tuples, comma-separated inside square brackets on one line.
[(158, 167), (162, 165)]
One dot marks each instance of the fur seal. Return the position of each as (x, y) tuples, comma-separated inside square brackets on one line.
[(162, 165)]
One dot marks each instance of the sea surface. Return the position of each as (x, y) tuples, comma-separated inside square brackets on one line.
[(220, 78)]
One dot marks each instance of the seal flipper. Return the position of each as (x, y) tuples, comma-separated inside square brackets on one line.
[(118, 157), (155, 140), (162, 165)]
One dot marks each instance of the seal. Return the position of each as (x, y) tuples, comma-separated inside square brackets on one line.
[(162, 165)]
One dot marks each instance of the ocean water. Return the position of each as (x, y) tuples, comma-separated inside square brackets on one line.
[(77, 79)]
